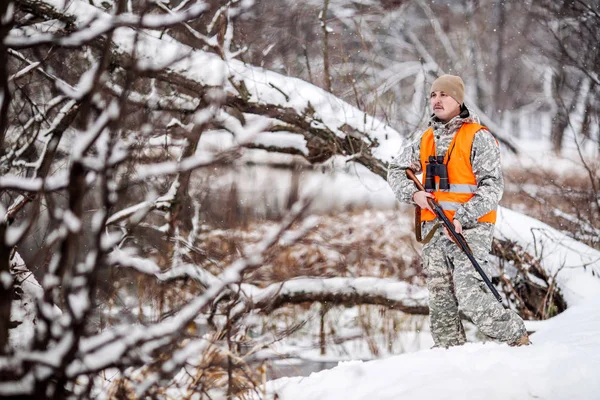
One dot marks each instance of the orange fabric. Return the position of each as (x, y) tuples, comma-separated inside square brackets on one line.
[(459, 167)]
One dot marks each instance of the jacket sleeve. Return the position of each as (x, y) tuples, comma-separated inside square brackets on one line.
[(485, 160), (401, 185)]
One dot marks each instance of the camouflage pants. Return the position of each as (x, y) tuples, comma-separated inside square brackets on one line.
[(454, 285)]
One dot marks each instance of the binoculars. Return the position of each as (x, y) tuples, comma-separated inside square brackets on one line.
[(436, 167)]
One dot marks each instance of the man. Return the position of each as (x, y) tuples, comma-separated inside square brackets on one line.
[(471, 157)]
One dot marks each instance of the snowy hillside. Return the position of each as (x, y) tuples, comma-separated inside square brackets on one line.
[(562, 363)]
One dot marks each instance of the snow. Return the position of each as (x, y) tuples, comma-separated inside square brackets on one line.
[(6, 280), (84, 86), (391, 289), (121, 258), (539, 156), (7, 17), (17, 182), (141, 209), (84, 140), (79, 304), (24, 71), (473, 371), (71, 221), (173, 167), (571, 261), (561, 364), (15, 233), (282, 140), (335, 186), (264, 87), (23, 311)]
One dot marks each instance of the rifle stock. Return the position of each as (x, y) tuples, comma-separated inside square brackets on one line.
[(458, 238)]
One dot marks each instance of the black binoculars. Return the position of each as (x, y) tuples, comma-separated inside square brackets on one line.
[(436, 167)]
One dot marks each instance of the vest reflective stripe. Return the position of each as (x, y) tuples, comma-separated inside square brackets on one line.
[(463, 183), (457, 188), (452, 205), (462, 188)]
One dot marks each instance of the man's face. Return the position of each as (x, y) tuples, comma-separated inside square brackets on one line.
[(443, 106)]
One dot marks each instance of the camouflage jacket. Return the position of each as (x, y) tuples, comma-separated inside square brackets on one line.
[(485, 160)]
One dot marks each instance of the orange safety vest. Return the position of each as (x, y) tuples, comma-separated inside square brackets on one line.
[(463, 183)]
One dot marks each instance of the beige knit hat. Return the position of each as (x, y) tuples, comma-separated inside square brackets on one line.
[(452, 85)]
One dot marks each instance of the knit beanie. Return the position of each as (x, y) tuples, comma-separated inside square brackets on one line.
[(452, 85)]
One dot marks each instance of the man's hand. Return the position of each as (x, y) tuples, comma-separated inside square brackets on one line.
[(420, 198), (457, 228)]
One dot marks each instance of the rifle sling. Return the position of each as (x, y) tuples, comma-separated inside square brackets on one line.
[(418, 228)]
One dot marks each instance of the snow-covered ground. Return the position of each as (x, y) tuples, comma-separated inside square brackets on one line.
[(562, 363)]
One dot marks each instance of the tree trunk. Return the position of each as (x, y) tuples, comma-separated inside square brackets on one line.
[(325, 46), (499, 98), (6, 286), (6, 293)]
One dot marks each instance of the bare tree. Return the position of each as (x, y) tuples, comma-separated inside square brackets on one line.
[(100, 143)]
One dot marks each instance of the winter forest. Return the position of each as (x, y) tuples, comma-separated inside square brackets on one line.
[(194, 205)]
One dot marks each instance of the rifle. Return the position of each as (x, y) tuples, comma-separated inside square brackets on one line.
[(458, 238)]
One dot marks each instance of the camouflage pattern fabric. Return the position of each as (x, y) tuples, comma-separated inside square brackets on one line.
[(454, 285), (452, 280), (485, 160)]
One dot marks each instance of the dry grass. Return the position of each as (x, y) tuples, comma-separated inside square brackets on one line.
[(361, 243), (205, 376), (568, 202)]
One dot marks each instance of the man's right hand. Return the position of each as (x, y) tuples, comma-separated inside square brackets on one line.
[(420, 198)]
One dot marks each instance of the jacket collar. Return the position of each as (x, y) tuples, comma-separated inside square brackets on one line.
[(450, 127)]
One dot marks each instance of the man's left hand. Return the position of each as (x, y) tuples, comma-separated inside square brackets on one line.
[(457, 228)]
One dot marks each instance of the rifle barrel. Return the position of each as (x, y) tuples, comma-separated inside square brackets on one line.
[(458, 238)]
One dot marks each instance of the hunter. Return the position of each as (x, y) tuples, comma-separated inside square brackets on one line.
[(471, 156)]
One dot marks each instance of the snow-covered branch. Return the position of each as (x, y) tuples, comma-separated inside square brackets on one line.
[(391, 293), (110, 353), (128, 345), (329, 125), (21, 184), (94, 24)]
